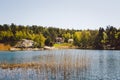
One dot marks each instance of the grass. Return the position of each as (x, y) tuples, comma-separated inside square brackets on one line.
[(4, 47), (63, 45)]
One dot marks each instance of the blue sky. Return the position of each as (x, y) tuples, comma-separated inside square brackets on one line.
[(76, 14)]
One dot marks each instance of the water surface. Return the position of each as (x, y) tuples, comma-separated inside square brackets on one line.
[(99, 65)]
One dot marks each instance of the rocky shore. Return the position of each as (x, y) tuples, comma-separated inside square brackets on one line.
[(26, 49)]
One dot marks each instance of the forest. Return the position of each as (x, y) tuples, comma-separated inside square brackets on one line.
[(108, 38)]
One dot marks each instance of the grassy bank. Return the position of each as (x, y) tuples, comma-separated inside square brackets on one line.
[(4, 46), (64, 45)]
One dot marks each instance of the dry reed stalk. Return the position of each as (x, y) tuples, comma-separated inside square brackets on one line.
[(52, 65)]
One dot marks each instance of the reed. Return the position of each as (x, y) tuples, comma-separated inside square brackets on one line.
[(52, 65)]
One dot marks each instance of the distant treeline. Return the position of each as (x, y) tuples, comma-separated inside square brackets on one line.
[(108, 38)]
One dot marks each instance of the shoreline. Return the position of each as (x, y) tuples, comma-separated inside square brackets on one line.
[(4, 47), (25, 49), (41, 49)]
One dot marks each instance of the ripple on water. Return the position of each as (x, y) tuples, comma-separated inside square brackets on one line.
[(96, 65)]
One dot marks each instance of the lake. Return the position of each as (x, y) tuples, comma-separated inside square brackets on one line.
[(66, 64)]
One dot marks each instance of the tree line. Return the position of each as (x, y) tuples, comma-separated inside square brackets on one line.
[(93, 39)]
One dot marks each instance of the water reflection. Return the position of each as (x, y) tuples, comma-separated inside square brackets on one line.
[(64, 65)]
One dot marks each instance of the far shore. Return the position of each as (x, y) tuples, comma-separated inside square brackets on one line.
[(44, 48), (40, 49), (34, 49), (7, 47)]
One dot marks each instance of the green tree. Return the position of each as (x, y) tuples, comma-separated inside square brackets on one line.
[(67, 36), (85, 39), (111, 31), (40, 39), (19, 35), (98, 39), (105, 37), (6, 35), (77, 38), (48, 42), (117, 36)]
